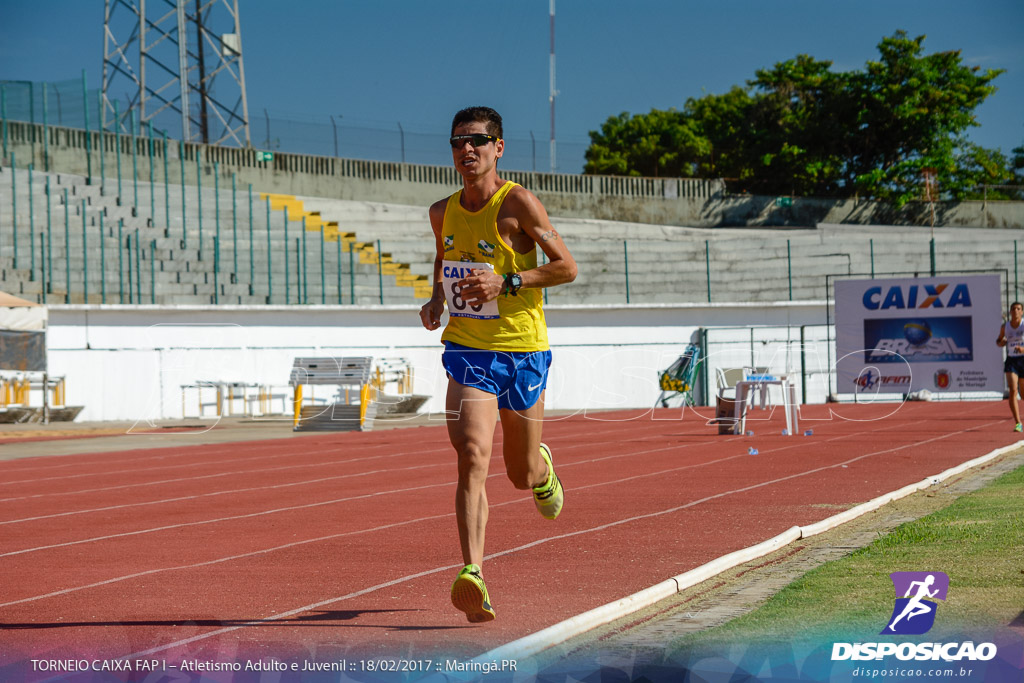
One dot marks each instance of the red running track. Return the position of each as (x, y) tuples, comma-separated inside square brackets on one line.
[(345, 544)]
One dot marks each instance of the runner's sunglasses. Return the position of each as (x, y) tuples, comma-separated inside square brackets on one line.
[(476, 139)]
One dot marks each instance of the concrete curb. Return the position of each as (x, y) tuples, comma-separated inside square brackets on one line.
[(570, 628)]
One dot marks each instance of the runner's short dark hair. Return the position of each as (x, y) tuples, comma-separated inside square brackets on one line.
[(481, 114)]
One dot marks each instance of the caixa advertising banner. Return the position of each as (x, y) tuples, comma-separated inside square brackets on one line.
[(898, 335)]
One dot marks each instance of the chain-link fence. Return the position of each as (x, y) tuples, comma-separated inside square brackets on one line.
[(331, 136), (802, 353), (61, 103), (73, 104)]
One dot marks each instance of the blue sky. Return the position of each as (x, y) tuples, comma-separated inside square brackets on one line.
[(375, 64)]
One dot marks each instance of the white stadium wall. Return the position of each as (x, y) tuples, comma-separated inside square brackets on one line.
[(130, 362)]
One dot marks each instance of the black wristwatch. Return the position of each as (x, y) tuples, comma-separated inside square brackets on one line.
[(513, 283)]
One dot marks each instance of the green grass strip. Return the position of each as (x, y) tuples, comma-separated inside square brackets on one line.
[(978, 541)]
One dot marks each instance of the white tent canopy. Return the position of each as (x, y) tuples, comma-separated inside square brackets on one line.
[(21, 315)]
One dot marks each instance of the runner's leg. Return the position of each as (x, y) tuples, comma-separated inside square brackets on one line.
[(472, 414), (521, 430), (1012, 383), (1020, 391)]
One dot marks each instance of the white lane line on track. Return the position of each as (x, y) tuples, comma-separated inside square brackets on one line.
[(162, 453), (509, 551), (446, 449), (321, 503), (179, 466), (275, 445), (168, 452), (220, 560), (217, 520), (387, 526), (493, 505), (319, 539), (299, 610), (204, 450), (217, 475), (221, 493), (330, 502)]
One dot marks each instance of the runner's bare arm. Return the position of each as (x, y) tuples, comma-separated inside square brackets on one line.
[(430, 313), (532, 220), (1002, 337)]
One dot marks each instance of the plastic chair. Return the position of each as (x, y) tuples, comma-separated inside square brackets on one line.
[(727, 380)]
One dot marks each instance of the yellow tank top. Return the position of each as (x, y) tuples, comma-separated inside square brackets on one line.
[(509, 323)]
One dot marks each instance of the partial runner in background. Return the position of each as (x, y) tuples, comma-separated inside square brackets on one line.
[(1011, 335)]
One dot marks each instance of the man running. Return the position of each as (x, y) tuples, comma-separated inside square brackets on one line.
[(1011, 335), (916, 606), (496, 344)]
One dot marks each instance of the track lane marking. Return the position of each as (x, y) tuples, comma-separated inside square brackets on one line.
[(509, 551), (510, 502), (446, 449), (377, 493), (335, 450)]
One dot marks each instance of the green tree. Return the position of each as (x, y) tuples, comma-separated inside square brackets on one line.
[(913, 112), (800, 117), (1018, 165), (976, 166), (724, 120), (802, 128), (658, 144)]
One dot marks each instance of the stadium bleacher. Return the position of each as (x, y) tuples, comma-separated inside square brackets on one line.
[(64, 239)]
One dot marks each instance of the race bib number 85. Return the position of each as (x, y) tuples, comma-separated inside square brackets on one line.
[(452, 273)]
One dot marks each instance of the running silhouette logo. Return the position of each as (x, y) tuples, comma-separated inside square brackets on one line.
[(916, 593)]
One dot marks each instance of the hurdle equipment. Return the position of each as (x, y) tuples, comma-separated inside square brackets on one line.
[(256, 399), (394, 380), (355, 405), (17, 390)]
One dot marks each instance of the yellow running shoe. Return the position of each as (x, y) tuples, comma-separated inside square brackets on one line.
[(469, 594), (1018, 427), (549, 496)]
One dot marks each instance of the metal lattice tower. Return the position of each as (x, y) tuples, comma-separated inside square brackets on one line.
[(178, 65)]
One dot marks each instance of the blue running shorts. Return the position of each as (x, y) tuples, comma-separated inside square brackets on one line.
[(517, 378), (1014, 364)]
